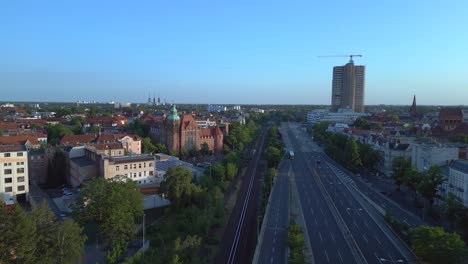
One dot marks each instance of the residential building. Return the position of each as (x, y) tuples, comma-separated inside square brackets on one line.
[(457, 181), (389, 152), (139, 168), (14, 175), (345, 116), (348, 87), (216, 108), (205, 123), (165, 162), (424, 156), (38, 163)]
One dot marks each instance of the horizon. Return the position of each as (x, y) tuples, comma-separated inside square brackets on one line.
[(229, 53)]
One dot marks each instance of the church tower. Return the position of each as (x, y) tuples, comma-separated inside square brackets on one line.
[(413, 111), (173, 130)]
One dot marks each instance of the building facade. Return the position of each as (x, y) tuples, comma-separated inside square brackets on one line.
[(348, 87), (424, 156), (457, 181), (345, 116), (14, 177), (181, 133), (139, 168)]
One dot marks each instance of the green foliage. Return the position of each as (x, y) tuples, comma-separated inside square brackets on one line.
[(296, 244), (160, 148), (38, 237), (94, 129), (147, 145), (205, 150), (452, 207), (231, 171), (413, 180), (400, 170), (139, 127), (369, 156), (434, 245), (56, 132), (430, 182), (361, 123), (218, 173), (178, 187), (113, 204), (351, 152), (273, 156)]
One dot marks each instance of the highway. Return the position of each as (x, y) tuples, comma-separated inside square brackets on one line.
[(240, 235), (343, 226), (274, 239)]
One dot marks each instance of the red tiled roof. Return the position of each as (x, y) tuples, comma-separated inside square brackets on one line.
[(77, 139), (187, 120), (450, 112), (18, 140), (7, 148), (8, 126)]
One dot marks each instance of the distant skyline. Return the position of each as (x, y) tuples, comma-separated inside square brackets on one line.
[(231, 52)]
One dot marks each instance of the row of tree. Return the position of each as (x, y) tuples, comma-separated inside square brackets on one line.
[(187, 231), (346, 150), (296, 244), (37, 237), (424, 183), (115, 206)]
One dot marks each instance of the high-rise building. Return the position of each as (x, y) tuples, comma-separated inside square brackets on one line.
[(348, 87)]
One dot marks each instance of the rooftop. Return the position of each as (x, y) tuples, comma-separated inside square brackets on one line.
[(460, 165), (131, 158)]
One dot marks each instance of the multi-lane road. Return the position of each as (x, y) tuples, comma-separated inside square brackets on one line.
[(273, 244), (342, 215)]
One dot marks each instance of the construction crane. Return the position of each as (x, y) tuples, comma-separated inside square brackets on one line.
[(350, 56)]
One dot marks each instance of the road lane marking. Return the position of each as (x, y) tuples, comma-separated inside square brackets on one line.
[(364, 236), (320, 235), (376, 238), (326, 255), (333, 238), (341, 258)]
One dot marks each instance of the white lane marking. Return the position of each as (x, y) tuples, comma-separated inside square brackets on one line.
[(320, 235), (376, 238), (326, 222), (341, 258), (271, 259), (326, 255), (333, 238), (315, 219), (365, 238)]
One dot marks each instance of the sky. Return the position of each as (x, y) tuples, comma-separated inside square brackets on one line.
[(231, 51)]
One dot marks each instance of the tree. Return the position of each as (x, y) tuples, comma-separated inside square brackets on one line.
[(205, 150), (69, 241), (147, 145), (16, 245), (231, 171), (351, 152), (400, 168), (113, 204), (56, 132), (434, 245), (218, 172), (37, 237), (361, 123), (452, 207), (413, 180), (273, 156), (295, 244), (160, 148), (395, 118), (430, 182), (178, 187), (369, 156)]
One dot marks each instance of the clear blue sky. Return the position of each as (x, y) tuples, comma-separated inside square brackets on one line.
[(238, 52)]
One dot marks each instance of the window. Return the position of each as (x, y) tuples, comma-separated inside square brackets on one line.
[(151, 173), (20, 170), (144, 173), (7, 171), (8, 189), (19, 154), (134, 166), (139, 166), (7, 164), (144, 164), (20, 179), (134, 175), (8, 180), (139, 174), (21, 188), (6, 155), (125, 167), (150, 164), (117, 168)]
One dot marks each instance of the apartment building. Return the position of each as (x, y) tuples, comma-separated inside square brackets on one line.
[(139, 168), (14, 180)]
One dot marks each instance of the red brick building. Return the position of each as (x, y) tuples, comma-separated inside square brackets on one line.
[(180, 133)]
